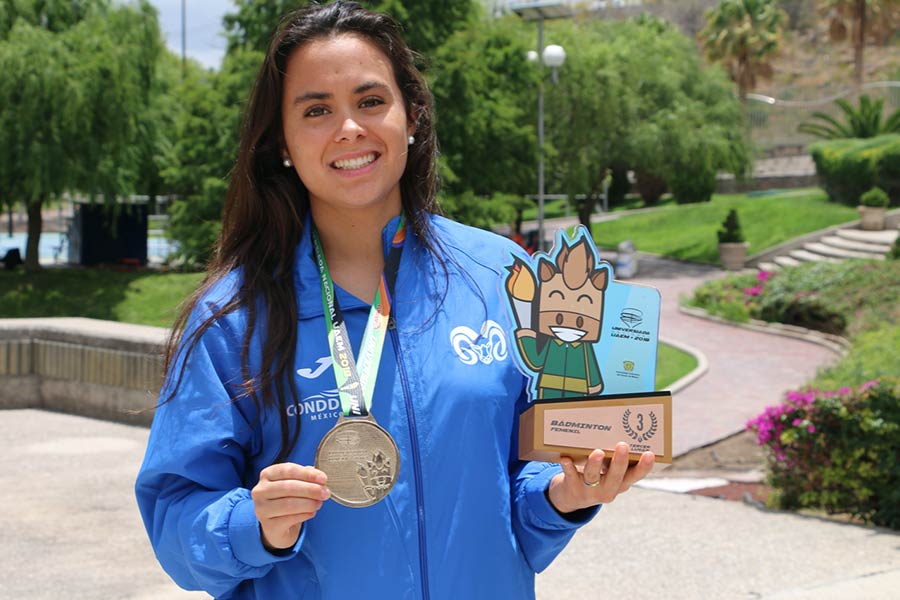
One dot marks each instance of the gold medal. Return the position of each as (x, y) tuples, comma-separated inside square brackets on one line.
[(361, 461)]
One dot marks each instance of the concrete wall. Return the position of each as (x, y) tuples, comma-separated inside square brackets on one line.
[(84, 366), (729, 185)]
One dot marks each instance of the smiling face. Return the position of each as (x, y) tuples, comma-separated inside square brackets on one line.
[(345, 125), (570, 315), (570, 298)]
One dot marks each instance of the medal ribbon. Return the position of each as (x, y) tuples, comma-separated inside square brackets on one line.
[(357, 385)]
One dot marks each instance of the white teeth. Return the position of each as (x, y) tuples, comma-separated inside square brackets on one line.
[(355, 163), (568, 334)]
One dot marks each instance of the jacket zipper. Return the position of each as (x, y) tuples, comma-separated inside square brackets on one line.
[(417, 465)]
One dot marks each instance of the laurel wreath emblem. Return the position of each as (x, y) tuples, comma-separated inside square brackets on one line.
[(639, 437)]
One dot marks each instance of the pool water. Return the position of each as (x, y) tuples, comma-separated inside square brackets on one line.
[(54, 247)]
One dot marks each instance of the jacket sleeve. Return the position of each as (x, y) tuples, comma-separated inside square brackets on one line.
[(534, 360), (190, 490), (542, 531)]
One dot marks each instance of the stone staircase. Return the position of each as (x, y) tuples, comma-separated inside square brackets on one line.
[(833, 245)]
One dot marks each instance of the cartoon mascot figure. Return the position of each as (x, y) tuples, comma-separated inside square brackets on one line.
[(565, 301)]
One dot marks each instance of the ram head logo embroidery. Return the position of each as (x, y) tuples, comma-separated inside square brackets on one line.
[(484, 347)]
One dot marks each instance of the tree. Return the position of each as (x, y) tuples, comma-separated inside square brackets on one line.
[(252, 26), (687, 125), (207, 128), (687, 15), (634, 95), (157, 126), (426, 24), (743, 35), (801, 13), (485, 103), (587, 112), (71, 123), (878, 19), (863, 122)]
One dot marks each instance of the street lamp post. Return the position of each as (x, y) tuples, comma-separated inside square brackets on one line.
[(552, 56)]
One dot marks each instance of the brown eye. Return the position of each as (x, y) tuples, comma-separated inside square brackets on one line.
[(559, 318), (579, 322), (370, 102), (315, 111)]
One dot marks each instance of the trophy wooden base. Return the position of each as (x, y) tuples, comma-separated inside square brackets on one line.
[(550, 429)]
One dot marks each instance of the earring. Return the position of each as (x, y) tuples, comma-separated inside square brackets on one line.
[(411, 140), (287, 163)]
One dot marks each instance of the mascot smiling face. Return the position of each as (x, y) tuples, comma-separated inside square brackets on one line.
[(570, 295)]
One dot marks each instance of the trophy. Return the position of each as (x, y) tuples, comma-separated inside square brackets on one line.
[(588, 343)]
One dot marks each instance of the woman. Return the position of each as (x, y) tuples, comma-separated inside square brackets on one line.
[(337, 153)]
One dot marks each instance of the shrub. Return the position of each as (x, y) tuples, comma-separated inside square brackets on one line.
[(844, 298), (731, 232), (195, 222), (862, 122), (874, 198), (836, 451), (849, 167), (695, 183), (874, 354), (894, 253), (728, 298), (619, 185), (796, 300), (479, 211), (887, 172), (650, 186), (841, 298)]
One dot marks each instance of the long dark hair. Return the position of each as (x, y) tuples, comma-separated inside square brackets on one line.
[(266, 205)]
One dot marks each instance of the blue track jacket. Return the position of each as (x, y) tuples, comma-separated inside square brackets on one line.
[(466, 518)]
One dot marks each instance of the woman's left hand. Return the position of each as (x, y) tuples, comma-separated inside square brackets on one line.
[(575, 488)]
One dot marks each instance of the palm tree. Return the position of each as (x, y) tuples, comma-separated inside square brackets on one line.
[(743, 35), (868, 19), (864, 122)]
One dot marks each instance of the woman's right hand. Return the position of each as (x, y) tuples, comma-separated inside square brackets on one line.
[(286, 496)]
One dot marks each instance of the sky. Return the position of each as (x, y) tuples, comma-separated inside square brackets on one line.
[(204, 28)]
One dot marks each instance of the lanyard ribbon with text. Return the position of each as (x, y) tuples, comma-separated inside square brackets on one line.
[(356, 385)]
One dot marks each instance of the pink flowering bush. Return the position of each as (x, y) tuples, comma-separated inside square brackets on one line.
[(733, 298), (836, 450), (841, 298)]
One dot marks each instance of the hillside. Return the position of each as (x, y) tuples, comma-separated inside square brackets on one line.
[(812, 64), (810, 70)]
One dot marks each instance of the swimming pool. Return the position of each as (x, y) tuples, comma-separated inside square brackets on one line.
[(54, 247)]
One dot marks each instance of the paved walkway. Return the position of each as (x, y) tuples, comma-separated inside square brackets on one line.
[(70, 529)]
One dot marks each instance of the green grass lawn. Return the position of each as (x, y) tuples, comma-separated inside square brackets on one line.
[(688, 231), (671, 365), (143, 297)]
